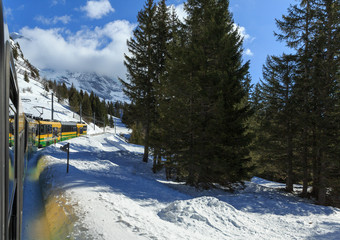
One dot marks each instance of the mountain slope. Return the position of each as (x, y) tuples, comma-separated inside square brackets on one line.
[(104, 87)]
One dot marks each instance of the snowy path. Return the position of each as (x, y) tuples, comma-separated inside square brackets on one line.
[(116, 196)]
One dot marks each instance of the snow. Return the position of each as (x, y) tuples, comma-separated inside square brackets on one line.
[(104, 87), (116, 196)]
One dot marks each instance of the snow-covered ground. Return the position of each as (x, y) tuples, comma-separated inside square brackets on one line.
[(112, 194)]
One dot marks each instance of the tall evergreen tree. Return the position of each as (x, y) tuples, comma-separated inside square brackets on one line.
[(162, 39), (74, 99), (87, 110), (278, 117), (297, 30), (311, 29), (205, 97), (326, 111), (141, 68)]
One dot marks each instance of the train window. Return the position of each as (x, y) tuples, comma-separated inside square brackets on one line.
[(34, 134), (42, 130), (56, 131), (49, 129), (11, 160), (81, 130), (68, 128), (85, 128)]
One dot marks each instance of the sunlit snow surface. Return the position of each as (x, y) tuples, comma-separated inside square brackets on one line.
[(116, 196)]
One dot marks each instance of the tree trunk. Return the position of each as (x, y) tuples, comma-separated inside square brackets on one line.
[(316, 162), (289, 181), (322, 182), (146, 142), (305, 164), (306, 102)]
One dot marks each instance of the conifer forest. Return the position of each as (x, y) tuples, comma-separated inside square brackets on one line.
[(196, 110)]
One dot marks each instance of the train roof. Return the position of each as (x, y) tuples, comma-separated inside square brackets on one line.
[(69, 123)]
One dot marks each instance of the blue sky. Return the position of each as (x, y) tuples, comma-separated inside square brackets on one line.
[(80, 35)]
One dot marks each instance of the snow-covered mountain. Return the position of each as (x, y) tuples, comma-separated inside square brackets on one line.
[(104, 87)]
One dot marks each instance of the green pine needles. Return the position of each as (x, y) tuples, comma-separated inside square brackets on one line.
[(188, 85)]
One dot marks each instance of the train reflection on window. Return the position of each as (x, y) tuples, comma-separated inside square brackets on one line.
[(56, 132), (11, 161)]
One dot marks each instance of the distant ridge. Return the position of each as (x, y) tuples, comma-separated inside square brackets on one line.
[(104, 87)]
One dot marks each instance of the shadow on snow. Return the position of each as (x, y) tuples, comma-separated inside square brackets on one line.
[(125, 173)]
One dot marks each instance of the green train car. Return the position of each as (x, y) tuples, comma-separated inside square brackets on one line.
[(50, 132)]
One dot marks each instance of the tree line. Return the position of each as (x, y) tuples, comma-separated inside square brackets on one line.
[(192, 104), (296, 121), (90, 105)]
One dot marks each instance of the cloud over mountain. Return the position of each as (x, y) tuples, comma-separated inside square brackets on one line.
[(99, 49)]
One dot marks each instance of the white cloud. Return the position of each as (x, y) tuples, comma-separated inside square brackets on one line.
[(98, 50), (97, 9), (181, 13), (248, 52), (242, 31), (48, 21)]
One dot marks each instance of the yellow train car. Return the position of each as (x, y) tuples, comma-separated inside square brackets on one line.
[(68, 130), (81, 129), (49, 133), (32, 136)]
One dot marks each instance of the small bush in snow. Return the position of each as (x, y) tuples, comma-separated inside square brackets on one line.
[(26, 77)]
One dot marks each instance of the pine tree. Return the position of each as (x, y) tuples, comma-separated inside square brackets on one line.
[(205, 97), (297, 30), (15, 52), (278, 117), (311, 29), (111, 122), (86, 106), (162, 39), (326, 111), (26, 77), (74, 99), (141, 68)]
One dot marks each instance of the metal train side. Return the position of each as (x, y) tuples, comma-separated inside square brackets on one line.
[(12, 143)]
